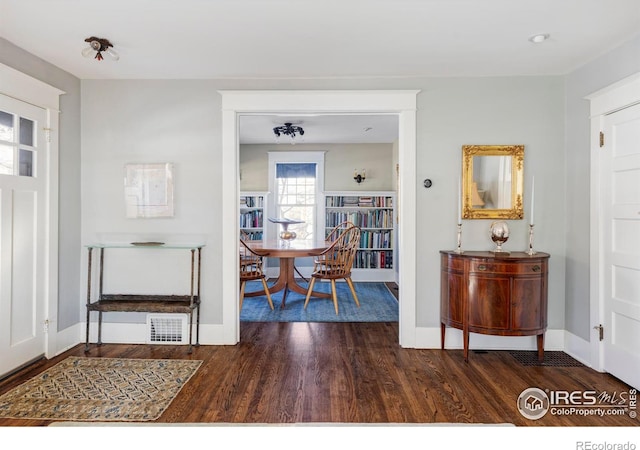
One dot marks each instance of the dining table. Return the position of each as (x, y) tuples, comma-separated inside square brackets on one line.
[(287, 251)]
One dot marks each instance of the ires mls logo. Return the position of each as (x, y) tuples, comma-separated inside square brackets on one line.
[(533, 403)]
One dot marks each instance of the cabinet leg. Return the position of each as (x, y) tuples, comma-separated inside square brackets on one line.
[(443, 329), (465, 338), (540, 342)]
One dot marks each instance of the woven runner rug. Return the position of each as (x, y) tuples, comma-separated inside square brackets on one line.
[(100, 389)]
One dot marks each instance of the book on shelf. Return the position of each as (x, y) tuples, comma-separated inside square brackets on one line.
[(365, 201), (251, 201), (373, 259), (251, 219), (349, 201)]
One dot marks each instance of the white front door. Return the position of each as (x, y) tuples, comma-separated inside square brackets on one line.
[(23, 202), (620, 175)]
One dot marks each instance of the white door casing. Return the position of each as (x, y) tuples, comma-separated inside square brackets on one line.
[(621, 238), (22, 249), (29, 261), (615, 229), (401, 103)]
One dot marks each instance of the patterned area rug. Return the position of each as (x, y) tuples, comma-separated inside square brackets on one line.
[(100, 389), (377, 304)]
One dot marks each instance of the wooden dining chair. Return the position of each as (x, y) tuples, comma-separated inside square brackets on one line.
[(250, 270), (337, 230), (335, 263)]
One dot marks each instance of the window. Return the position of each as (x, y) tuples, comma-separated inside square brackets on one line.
[(17, 145), (296, 196), (296, 181)]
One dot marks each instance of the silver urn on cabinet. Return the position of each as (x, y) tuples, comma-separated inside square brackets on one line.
[(499, 235)]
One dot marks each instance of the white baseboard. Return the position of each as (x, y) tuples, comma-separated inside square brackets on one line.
[(69, 337), (426, 337), (577, 348), (430, 338), (136, 333)]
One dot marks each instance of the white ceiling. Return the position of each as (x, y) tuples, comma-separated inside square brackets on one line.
[(321, 129), (205, 39), (178, 39)]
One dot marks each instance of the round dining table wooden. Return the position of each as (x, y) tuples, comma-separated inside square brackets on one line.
[(287, 252)]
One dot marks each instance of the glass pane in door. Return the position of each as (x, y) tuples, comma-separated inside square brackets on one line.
[(6, 159), (26, 163), (26, 131), (6, 126)]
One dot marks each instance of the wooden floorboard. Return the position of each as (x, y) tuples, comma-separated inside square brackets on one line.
[(355, 373)]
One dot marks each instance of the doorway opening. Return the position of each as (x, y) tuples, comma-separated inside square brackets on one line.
[(311, 181), (400, 103)]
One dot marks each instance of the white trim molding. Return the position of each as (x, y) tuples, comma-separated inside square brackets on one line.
[(30, 90), (429, 337), (401, 103), (608, 100)]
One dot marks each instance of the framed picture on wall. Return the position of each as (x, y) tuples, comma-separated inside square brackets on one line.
[(148, 190)]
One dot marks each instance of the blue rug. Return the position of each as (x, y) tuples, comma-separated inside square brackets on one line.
[(377, 304)]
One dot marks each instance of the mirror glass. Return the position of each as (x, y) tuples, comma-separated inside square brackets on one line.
[(492, 181)]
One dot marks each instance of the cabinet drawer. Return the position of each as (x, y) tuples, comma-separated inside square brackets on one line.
[(454, 263), (490, 266)]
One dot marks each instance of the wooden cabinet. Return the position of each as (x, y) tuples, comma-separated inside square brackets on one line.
[(492, 293)]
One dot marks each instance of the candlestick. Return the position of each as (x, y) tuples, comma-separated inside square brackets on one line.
[(531, 251), (459, 247), (459, 202), (533, 180)]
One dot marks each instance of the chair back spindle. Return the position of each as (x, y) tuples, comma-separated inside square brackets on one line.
[(336, 262)]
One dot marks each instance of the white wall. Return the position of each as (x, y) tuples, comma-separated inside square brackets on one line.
[(340, 161), (596, 75), (517, 110), (146, 122), (179, 122), (69, 175)]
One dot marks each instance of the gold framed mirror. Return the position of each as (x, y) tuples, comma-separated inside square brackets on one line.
[(492, 181)]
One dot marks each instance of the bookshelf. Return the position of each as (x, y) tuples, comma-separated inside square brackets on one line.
[(252, 214), (374, 213)]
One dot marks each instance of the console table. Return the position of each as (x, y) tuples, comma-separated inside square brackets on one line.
[(187, 304), (493, 293)]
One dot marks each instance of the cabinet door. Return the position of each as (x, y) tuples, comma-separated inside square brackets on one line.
[(527, 302), (489, 302), (451, 297)]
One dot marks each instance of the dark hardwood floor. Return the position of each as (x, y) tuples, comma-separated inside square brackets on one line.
[(348, 373)]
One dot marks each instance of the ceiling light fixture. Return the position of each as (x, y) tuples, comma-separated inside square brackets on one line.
[(539, 38), (97, 46), (288, 129)]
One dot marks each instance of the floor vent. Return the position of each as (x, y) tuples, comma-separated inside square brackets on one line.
[(551, 359), (167, 329)]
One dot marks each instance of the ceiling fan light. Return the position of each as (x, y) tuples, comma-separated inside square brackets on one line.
[(98, 46), (88, 51), (112, 54)]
